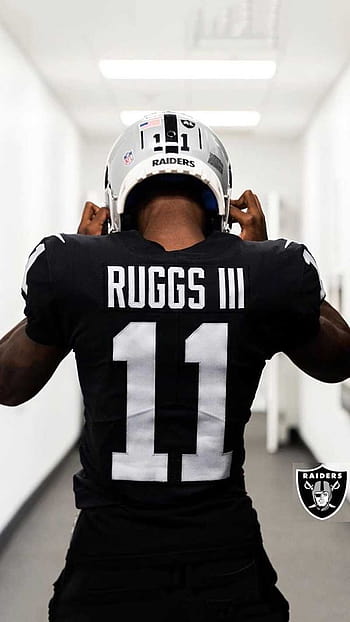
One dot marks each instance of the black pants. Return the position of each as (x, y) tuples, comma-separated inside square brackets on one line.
[(223, 589), (99, 585)]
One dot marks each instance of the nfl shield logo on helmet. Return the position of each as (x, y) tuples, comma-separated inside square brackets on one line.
[(321, 491), (128, 157)]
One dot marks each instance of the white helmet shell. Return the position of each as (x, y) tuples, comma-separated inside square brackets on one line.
[(167, 143)]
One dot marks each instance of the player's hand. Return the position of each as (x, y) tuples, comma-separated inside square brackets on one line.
[(252, 222), (94, 220)]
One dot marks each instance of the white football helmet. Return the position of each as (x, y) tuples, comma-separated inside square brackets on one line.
[(168, 143)]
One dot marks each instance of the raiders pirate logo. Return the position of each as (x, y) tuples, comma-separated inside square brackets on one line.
[(321, 491), (187, 123)]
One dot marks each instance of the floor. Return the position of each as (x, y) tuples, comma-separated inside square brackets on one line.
[(312, 557)]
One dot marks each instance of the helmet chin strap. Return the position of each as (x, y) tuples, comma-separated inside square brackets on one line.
[(225, 227), (111, 203)]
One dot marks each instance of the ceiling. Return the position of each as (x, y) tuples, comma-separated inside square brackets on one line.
[(66, 39)]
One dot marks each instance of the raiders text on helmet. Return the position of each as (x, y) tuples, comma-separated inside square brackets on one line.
[(168, 143)]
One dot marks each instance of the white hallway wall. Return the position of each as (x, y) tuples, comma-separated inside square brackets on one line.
[(324, 424), (40, 193), (263, 164)]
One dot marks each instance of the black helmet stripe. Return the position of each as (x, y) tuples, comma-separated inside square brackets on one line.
[(170, 128)]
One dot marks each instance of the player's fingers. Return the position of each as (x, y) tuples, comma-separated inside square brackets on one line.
[(100, 217), (248, 200), (240, 203), (258, 203), (251, 202), (101, 214), (236, 215), (97, 225), (243, 199), (89, 211)]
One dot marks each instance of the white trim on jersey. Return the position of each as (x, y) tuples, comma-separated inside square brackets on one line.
[(309, 259), (60, 237), (32, 259)]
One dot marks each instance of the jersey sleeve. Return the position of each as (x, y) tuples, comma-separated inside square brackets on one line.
[(41, 304), (297, 318)]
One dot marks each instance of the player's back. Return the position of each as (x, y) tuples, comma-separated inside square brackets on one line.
[(170, 346)]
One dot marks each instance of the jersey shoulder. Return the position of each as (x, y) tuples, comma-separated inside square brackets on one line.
[(65, 247), (266, 253), (280, 270), (279, 249), (67, 241)]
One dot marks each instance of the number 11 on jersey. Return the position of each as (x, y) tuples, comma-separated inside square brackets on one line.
[(207, 346)]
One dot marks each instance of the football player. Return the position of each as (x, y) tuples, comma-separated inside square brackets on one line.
[(171, 320)]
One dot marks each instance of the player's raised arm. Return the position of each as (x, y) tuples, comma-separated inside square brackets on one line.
[(31, 351), (25, 366), (327, 356)]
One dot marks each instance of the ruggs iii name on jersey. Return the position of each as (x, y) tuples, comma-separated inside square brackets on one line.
[(175, 287)]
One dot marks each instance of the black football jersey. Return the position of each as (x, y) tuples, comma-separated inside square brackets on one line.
[(169, 347)]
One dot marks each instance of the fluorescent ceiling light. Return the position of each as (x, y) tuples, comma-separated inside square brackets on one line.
[(213, 118), (188, 69)]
